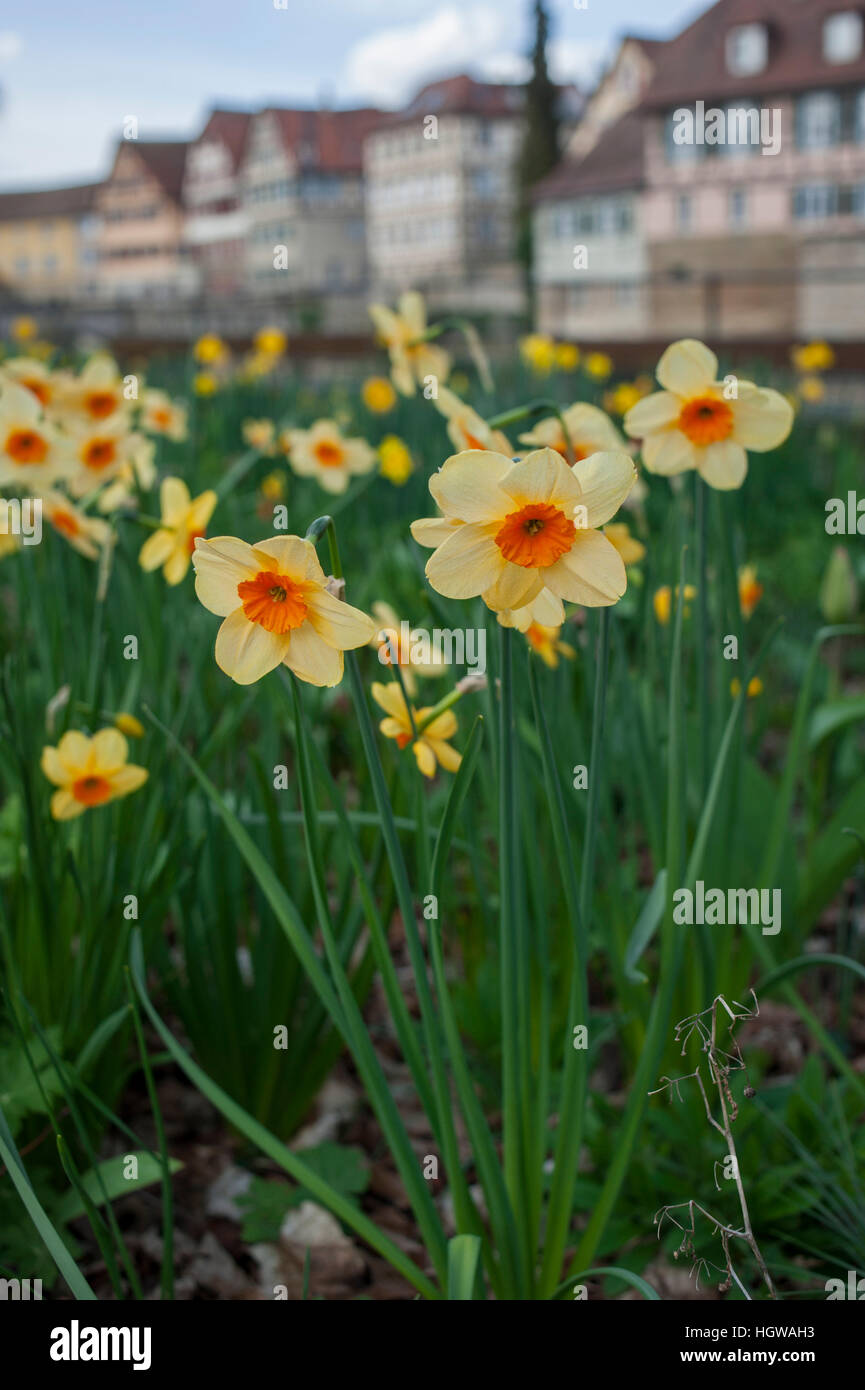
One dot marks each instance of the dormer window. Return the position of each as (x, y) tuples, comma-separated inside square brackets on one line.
[(747, 49), (842, 37)]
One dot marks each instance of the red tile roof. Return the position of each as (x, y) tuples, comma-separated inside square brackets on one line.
[(229, 127), (614, 163), (331, 141), (166, 160), (693, 66), (48, 202)]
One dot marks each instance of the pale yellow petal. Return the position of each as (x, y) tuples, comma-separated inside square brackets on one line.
[(65, 807), (392, 700), (604, 481), (177, 564), (687, 368), (156, 550), (424, 757), (467, 486), (761, 420), (337, 622), (202, 510), (669, 453), (73, 751), (653, 413), (128, 779), (543, 476), (430, 531), (54, 768), (108, 751), (449, 758), (246, 651), (174, 501), (467, 563), (514, 587), (312, 659), (294, 557), (591, 573), (723, 465)]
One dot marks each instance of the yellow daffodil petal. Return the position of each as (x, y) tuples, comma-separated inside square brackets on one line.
[(337, 622), (312, 658), (668, 454), (591, 573), (174, 500), (177, 564), (430, 531), (294, 557), (723, 465), (108, 751), (467, 563), (246, 651), (762, 420), (156, 550), (687, 368), (73, 751), (128, 779), (466, 485), (652, 413), (449, 758), (424, 757), (513, 588), (604, 480), (543, 477), (64, 806)]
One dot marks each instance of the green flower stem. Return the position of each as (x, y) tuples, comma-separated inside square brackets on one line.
[(703, 635)]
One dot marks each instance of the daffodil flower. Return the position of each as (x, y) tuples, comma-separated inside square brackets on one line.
[(277, 609), (270, 342), (590, 431), (750, 590), (96, 394), (467, 429), (631, 550), (184, 520), (161, 415), (86, 534), (323, 453), (696, 422), (513, 529), (89, 772), (412, 357), (101, 451), (395, 648), (431, 747), (32, 452)]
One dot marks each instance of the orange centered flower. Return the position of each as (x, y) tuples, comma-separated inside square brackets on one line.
[(39, 389), (162, 417), (100, 404), (535, 536), (26, 446), (706, 420), (403, 740), (100, 453), (273, 601), (92, 791), (65, 523), (329, 455)]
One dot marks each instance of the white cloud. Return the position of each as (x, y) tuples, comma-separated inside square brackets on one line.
[(388, 66)]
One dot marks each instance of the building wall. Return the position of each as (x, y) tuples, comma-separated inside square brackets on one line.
[(216, 225), (604, 297), (49, 257), (440, 211), (140, 235)]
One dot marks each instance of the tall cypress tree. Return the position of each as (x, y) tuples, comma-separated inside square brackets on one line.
[(540, 148)]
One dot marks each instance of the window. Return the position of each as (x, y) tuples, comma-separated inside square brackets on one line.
[(842, 37), (813, 201), (684, 212), (741, 129), (747, 49), (818, 120), (738, 204), (857, 200), (684, 153)]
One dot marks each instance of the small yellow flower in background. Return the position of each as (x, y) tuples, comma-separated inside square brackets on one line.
[(402, 331), (545, 641), (522, 527), (205, 384), (467, 429), (695, 422), (813, 357), (431, 747), (273, 486), (210, 350), (623, 397), (270, 342), (260, 435), (662, 601), (97, 395), (538, 351), (32, 452), (23, 329), (323, 453), (567, 357), (810, 388), (631, 550), (395, 460), (755, 687), (183, 522), (277, 609), (378, 395), (161, 415), (598, 365), (396, 645), (86, 534), (129, 725), (89, 772), (750, 590), (590, 431)]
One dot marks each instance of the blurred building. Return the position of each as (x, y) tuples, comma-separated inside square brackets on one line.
[(441, 194), (730, 200), (49, 242), (302, 198), (141, 246), (216, 224)]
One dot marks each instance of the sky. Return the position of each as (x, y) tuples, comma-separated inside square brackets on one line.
[(71, 74)]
